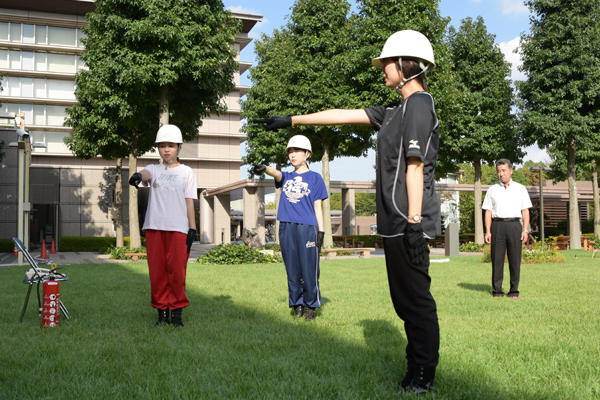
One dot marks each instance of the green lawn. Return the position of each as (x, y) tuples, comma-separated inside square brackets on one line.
[(240, 340)]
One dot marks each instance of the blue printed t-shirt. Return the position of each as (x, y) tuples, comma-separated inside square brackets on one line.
[(297, 201)]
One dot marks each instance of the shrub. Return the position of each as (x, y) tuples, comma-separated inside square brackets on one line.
[(236, 254), (368, 239), (87, 243), (6, 246), (118, 253), (470, 247), (274, 247), (539, 252)]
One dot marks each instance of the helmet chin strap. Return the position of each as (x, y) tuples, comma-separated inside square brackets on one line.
[(169, 162), (405, 80), (303, 162)]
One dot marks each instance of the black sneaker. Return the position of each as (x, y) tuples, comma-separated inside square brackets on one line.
[(310, 314), (422, 381), (298, 311)]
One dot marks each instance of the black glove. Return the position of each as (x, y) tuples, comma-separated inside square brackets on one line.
[(135, 180), (190, 239), (258, 169), (275, 123), (416, 244), (320, 237)]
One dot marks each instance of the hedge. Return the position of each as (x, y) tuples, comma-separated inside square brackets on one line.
[(86, 243), (368, 239), (6, 246)]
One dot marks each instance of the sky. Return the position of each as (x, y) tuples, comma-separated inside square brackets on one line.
[(506, 19)]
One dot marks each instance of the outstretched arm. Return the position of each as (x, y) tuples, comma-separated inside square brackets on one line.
[(333, 117)]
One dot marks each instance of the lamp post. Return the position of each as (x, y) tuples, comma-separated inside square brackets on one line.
[(541, 169)]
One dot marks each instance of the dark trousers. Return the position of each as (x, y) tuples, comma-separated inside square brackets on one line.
[(301, 259), (506, 237), (413, 302)]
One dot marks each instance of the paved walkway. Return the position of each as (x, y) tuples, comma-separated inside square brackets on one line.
[(68, 258)]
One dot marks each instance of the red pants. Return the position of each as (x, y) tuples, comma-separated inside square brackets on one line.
[(167, 262)]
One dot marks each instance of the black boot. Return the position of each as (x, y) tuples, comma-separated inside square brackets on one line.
[(176, 318), (422, 381), (310, 314), (298, 311), (163, 317)]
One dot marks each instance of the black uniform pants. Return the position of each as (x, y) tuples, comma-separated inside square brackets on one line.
[(506, 237), (413, 302)]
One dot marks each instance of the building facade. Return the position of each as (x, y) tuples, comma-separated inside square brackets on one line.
[(40, 52)]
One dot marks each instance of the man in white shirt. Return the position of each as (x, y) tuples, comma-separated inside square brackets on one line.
[(505, 204)]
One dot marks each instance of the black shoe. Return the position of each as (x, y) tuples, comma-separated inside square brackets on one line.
[(163, 317), (298, 311), (176, 318), (422, 381), (310, 314), (410, 373)]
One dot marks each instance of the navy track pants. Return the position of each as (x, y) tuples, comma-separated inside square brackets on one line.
[(301, 258)]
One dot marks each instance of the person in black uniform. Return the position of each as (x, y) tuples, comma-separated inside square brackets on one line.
[(407, 204)]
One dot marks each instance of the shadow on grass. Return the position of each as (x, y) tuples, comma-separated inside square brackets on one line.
[(478, 287), (240, 344)]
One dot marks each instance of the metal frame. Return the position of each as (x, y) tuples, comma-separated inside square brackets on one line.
[(40, 275)]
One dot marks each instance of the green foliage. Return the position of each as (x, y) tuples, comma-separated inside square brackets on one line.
[(467, 212), (597, 242), (470, 247), (236, 254), (540, 252), (118, 253), (90, 243), (137, 52), (369, 240), (364, 203), (6, 246), (482, 126), (273, 246)]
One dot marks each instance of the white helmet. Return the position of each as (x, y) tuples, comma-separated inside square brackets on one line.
[(299, 142), (169, 133), (407, 43)]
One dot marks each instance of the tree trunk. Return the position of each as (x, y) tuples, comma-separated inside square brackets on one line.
[(477, 200), (134, 220), (119, 202), (163, 101), (328, 240), (574, 223), (596, 200)]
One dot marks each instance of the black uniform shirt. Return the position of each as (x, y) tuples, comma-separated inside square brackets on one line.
[(406, 129)]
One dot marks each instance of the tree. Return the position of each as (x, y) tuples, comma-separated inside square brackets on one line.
[(482, 127), (151, 62), (322, 59), (560, 100), (302, 60)]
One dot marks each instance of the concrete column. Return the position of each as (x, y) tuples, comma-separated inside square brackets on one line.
[(222, 224), (254, 211), (348, 212), (206, 213), (452, 243)]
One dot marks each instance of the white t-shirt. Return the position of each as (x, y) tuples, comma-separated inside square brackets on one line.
[(169, 188), (507, 202)]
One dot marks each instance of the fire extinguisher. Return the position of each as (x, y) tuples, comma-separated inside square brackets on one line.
[(51, 306)]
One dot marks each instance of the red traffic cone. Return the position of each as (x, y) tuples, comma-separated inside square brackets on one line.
[(52, 248), (15, 252), (44, 255)]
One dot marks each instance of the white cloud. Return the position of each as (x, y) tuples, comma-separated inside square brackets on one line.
[(516, 7), (514, 58), (534, 153)]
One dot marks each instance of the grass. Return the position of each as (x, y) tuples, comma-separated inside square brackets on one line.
[(240, 340)]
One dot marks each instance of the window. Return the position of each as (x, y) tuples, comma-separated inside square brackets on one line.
[(4, 31), (28, 33), (56, 115), (61, 63), (40, 34), (15, 59), (40, 62), (15, 32), (26, 87), (27, 63), (3, 58), (61, 36), (60, 89), (14, 86), (39, 115)]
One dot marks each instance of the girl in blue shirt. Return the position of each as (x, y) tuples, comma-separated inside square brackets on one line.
[(301, 229)]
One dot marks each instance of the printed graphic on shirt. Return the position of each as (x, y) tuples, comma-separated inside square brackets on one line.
[(167, 182), (295, 189), (414, 144)]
